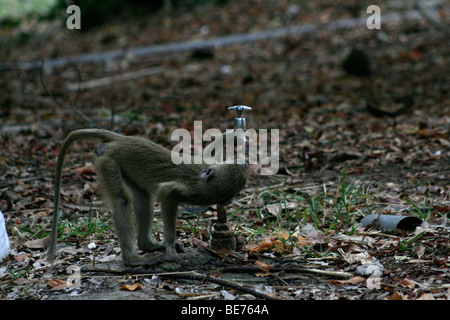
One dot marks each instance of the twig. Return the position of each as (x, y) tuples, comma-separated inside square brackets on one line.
[(189, 275), (438, 26), (62, 104), (106, 81), (251, 269), (226, 283)]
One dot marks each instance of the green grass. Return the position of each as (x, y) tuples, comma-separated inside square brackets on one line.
[(82, 227), (331, 211), (326, 209), (423, 212), (334, 210), (78, 227)]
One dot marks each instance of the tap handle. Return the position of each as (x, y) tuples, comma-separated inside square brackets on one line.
[(239, 109), (239, 122)]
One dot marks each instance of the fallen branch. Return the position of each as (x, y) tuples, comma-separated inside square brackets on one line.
[(167, 48), (105, 81), (437, 25), (186, 275), (254, 269)]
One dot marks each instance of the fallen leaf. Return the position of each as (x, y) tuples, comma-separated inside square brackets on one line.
[(426, 296), (415, 55), (262, 265), (132, 287), (86, 169), (262, 275), (38, 243), (442, 208), (303, 242), (419, 250), (283, 234), (199, 243), (167, 285), (396, 296), (274, 209), (57, 284), (362, 257), (261, 247), (271, 245), (316, 237), (431, 133), (22, 281), (408, 283), (354, 280), (22, 257)]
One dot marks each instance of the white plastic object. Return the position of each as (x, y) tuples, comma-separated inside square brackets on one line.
[(4, 240)]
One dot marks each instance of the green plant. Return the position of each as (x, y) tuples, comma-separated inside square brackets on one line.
[(193, 227), (34, 233), (17, 275), (348, 196), (316, 208), (81, 227), (422, 213)]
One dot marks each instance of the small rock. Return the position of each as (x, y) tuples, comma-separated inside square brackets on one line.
[(375, 269)]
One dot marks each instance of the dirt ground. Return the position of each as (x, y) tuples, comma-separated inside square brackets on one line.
[(345, 152)]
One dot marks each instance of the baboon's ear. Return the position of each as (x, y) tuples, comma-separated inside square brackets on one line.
[(206, 174)]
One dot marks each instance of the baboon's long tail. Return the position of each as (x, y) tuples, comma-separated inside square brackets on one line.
[(105, 136)]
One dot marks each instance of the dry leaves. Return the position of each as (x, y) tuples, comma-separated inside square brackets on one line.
[(268, 245), (57, 284), (278, 243), (320, 112), (38, 243), (132, 287)]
